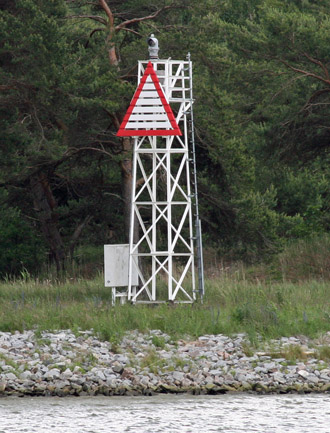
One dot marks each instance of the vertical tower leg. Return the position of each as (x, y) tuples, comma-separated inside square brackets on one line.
[(154, 216)]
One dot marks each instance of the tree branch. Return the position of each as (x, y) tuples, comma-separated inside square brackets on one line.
[(139, 182), (113, 59), (128, 73), (6, 87), (130, 30), (306, 73), (94, 149), (148, 17), (108, 12), (92, 33), (91, 17), (113, 118), (315, 95), (77, 233), (284, 87), (319, 63)]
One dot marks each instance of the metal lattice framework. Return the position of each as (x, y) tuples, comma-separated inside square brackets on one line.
[(162, 203)]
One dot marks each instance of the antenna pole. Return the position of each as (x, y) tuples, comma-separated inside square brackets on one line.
[(198, 228)]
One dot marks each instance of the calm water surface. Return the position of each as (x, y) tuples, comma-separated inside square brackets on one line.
[(167, 413)]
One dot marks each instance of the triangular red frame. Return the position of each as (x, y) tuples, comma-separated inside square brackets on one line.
[(122, 132)]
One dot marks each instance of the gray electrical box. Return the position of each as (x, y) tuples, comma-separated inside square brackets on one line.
[(116, 266)]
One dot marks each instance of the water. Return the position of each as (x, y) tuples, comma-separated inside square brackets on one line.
[(167, 413)]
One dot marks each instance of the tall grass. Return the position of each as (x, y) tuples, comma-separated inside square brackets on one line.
[(306, 259), (230, 307), (236, 301), (301, 260)]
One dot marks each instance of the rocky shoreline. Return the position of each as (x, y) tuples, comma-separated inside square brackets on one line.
[(64, 363)]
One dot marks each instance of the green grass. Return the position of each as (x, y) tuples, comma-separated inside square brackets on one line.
[(261, 300), (230, 306), (324, 353), (158, 341), (306, 259), (152, 361), (301, 260)]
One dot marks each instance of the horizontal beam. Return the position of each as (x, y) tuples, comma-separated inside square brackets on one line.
[(162, 254), (164, 302), (161, 203), (162, 150), (164, 62)]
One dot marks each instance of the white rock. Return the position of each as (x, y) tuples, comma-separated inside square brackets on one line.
[(303, 373), (67, 373), (278, 377), (178, 375), (270, 365), (312, 378), (215, 372), (25, 375), (6, 367), (100, 375), (208, 379), (54, 373), (117, 367), (60, 384), (10, 376)]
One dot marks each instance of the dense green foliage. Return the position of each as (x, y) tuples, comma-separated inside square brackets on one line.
[(261, 84)]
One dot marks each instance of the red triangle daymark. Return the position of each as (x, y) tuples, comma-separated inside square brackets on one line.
[(149, 113)]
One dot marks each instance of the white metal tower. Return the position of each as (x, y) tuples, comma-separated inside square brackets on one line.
[(164, 202)]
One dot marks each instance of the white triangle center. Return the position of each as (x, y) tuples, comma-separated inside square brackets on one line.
[(148, 111)]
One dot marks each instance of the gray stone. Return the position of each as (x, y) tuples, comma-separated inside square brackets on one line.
[(100, 375), (213, 362), (325, 377), (221, 363), (112, 383), (28, 384), (67, 373), (269, 366), (204, 338), (251, 377), (261, 370), (216, 372), (54, 373), (186, 383), (117, 367), (6, 367), (312, 378), (10, 376), (33, 363), (208, 379), (303, 373), (240, 377), (177, 375), (25, 375), (59, 384), (278, 377), (145, 381), (228, 377)]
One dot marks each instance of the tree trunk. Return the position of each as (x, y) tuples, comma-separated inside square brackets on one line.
[(126, 164), (76, 235), (44, 204), (127, 189)]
